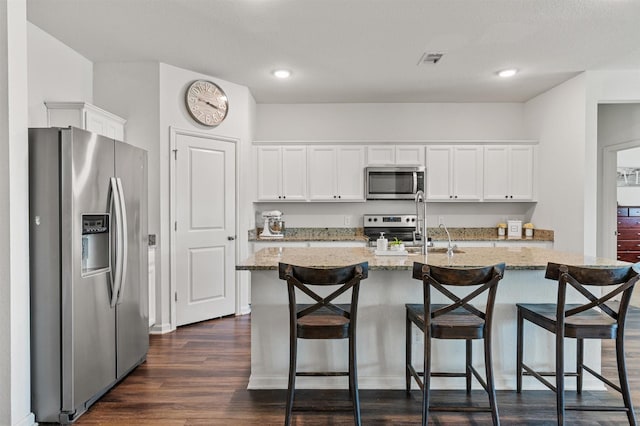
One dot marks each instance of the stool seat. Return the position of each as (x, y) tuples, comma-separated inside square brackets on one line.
[(323, 324), (457, 324), (591, 324)]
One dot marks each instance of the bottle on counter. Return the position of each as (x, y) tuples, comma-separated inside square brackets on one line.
[(382, 243)]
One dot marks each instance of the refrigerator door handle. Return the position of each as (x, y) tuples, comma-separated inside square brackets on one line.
[(116, 275), (125, 241)]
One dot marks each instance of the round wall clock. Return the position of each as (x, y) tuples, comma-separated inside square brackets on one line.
[(206, 102)]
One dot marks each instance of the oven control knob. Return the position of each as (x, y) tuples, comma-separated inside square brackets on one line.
[(369, 219), (375, 219), (413, 219), (408, 219)]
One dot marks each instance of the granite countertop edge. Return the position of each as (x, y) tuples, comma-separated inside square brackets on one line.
[(356, 234)]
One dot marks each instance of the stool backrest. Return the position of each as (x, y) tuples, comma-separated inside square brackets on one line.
[(486, 278), (623, 278), (303, 278)]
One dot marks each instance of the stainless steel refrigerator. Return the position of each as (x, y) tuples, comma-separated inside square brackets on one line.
[(88, 265)]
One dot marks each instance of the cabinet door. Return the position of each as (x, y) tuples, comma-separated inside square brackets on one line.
[(294, 173), (381, 155), (269, 173), (521, 172), (322, 173), (410, 155), (439, 164), (496, 173), (467, 172), (350, 172)]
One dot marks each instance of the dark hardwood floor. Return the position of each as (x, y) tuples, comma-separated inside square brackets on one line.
[(198, 376)]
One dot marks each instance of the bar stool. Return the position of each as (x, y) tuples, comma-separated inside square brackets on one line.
[(457, 320), (323, 320), (598, 318)]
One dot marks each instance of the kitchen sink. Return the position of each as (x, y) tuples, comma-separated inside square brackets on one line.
[(414, 250)]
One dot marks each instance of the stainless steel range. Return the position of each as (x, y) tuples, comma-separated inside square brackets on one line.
[(394, 226)]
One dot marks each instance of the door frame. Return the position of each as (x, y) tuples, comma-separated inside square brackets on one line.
[(608, 221), (174, 132)]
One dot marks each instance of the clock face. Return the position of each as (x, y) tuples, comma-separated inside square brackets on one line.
[(206, 102)]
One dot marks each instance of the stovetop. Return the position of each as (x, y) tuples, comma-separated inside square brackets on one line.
[(399, 226)]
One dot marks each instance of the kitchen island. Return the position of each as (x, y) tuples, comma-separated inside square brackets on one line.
[(381, 318)]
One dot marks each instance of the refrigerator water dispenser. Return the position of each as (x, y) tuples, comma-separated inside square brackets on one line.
[(95, 243)]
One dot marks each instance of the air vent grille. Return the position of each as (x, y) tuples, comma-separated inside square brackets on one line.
[(430, 58)]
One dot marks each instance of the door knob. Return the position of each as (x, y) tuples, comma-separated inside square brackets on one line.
[(231, 237)]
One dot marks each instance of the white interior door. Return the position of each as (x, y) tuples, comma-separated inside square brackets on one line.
[(205, 228)]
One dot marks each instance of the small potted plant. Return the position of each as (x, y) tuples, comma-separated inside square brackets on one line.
[(396, 244), (502, 228), (528, 230)]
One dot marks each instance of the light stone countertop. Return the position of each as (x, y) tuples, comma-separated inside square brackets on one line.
[(530, 258)]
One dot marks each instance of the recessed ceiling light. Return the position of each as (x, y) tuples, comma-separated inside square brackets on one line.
[(282, 73), (508, 72)]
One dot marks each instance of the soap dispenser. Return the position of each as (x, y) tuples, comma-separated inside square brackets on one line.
[(381, 242)]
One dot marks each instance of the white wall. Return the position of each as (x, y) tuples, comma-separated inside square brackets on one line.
[(15, 401), (237, 125), (557, 119), (395, 122), (389, 122), (56, 73)]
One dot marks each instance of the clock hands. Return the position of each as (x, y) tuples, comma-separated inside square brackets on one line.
[(208, 103)]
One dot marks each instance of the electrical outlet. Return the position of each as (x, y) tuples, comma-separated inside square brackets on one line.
[(440, 220), (347, 220)]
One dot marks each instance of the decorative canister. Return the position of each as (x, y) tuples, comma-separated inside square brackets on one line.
[(502, 229)]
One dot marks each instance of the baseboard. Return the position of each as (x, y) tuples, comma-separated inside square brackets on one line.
[(28, 420), (160, 328)]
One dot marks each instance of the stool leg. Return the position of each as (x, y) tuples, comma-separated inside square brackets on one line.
[(469, 357), (293, 347), (519, 351), (353, 378), (560, 376), (426, 382), (407, 373), (579, 363), (622, 376), (491, 388)]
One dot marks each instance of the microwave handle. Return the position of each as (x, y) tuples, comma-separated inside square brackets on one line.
[(415, 182)]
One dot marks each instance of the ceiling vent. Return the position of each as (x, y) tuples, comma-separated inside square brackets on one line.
[(430, 58)]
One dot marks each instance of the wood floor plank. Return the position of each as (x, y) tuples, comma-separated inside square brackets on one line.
[(198, 376)]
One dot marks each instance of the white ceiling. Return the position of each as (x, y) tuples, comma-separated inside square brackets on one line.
[(358, 50)]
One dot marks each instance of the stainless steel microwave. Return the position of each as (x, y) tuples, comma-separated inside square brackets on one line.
[(393, 183)]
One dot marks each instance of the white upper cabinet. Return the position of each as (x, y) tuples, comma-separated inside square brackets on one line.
[(388, 155), (410, 155), (282, 173), (509, 173), (85, 116), (454, 173), (336, 173)]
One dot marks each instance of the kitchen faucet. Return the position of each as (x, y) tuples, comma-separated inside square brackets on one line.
[(450, 248), (421, 232)]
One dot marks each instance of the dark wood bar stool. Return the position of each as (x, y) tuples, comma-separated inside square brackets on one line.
[(597, 318), (323, 320), (457, 320)]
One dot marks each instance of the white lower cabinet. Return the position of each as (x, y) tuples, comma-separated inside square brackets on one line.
[(336, 173)]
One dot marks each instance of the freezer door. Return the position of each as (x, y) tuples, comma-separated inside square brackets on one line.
[(132, 302), (87, 320)]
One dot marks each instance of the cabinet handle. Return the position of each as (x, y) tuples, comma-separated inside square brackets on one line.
[(334, 196), (450, 196), (280, 196), (339, 196), (506, 196), (284, 196), (455, 196), (511, 196)]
